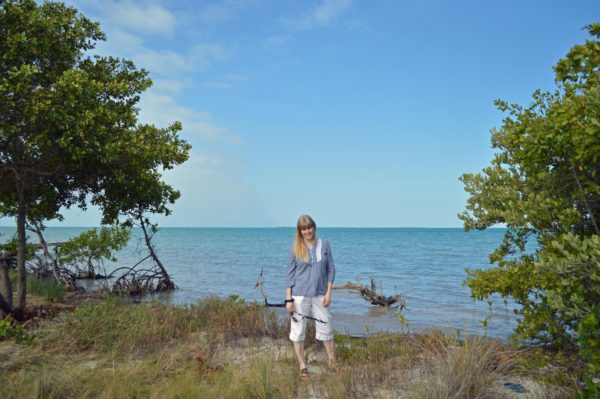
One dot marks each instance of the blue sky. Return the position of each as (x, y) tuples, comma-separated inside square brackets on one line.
[(360, 113)]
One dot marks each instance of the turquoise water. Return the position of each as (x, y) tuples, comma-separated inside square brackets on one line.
[(425, 264)]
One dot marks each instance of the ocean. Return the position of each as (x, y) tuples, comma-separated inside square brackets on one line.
[(427, 265)]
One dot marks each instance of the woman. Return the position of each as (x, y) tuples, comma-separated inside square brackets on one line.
[(309, 282)]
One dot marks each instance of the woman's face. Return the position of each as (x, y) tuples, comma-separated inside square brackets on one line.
[(308, 233)]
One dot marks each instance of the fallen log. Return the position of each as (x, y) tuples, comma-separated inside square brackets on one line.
[(370, 294)]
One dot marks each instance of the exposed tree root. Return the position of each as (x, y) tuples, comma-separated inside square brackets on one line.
[(370, 294)]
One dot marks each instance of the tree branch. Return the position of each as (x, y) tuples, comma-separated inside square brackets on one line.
[(587, 205)]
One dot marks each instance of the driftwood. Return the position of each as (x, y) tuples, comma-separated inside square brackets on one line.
[(370, 294), (259, 284)]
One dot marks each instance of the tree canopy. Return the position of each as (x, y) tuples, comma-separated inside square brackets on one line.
[(69, 127), (543, 184)]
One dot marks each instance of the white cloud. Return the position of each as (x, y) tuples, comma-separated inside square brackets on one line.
[(170, 86), (129, 26), (166, 62), (143, 17), (227, 81), (330, 10), (216, 166), (325, 14), (171, 70), (161, 109), (163, 62), (217, 85), (277, 40), (203, 55), (235, 78), (119, 39), (214, 194), (224, 11)]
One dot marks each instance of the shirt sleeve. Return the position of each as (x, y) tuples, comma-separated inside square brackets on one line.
[(330, 265), (290, 277)]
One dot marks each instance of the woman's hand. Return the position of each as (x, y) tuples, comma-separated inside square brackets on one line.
[(290, 307), (327, 299)]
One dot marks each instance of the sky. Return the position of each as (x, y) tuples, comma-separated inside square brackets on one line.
[(359, 113)]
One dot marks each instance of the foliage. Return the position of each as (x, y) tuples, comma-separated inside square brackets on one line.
[(10, 329), (588, 332), (68, 123), (9, 249), (544, 185), (93, 246)]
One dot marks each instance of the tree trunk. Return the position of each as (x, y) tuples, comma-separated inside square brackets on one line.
[(6, 291), (4, 308), (91, 274), (21, 248), (38, 227), (147, 237)]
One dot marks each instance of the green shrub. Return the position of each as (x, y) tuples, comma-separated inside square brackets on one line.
[(91, 247), (589, 342), (48, 287), (9, 329), (543, 185)]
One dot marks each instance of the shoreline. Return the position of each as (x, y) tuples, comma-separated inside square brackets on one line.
[(429, 266), (227, 348), (368, 319)]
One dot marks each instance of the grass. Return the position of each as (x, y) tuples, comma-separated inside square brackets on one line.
[(461, 368), (48, 288), (225, 348), (117, 326)]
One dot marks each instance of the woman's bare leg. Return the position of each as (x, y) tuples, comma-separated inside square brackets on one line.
[(330, 349), (299, 349)]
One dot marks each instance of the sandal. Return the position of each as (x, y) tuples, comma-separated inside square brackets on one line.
[(333, 367), (304, 374)]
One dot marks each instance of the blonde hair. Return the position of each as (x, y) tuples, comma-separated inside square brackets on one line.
[(300, 248)]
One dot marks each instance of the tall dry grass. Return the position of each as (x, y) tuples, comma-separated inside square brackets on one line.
[(120, 327), (135, 350), (461, 368), (225, 348)]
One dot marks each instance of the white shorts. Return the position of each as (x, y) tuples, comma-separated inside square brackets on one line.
[(311, 306)]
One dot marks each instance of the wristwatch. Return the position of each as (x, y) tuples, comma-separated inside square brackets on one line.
[(289, 300)]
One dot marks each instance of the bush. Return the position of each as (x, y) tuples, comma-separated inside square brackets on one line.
[(543, 184), (9, 329)]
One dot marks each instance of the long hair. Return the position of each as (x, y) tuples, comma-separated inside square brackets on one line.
[(300, 249)]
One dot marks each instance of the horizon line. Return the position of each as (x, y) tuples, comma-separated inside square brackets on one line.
[(280, 227)]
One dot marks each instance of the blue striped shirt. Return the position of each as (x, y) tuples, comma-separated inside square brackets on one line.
[(310, 278)]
